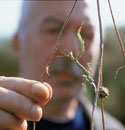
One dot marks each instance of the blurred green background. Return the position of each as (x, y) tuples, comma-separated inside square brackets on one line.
[(113, 59)]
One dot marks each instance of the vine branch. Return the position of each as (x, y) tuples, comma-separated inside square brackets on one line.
[(57, 41), (99, 74), (117, 32)]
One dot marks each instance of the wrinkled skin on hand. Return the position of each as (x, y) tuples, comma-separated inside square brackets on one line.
[(21, 100)]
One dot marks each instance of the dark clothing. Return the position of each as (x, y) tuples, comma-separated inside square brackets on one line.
[(78, 123), (82, 120)]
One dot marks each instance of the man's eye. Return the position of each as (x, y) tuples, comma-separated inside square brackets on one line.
[(53, 31), (87, 35)]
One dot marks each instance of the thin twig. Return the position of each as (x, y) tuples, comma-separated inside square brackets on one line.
[(102, 111), (119, 38), (117, 71), (58, 40), (117, 32), (100, 86), (100, 64), (34, 125)]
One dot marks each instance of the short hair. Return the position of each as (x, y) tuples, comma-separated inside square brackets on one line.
[(25, 14)]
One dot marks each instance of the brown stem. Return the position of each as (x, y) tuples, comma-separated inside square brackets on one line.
[(57, 41), (34, 125), (100, 64), (117, 32), (102, 111), (117, 71), (101, 47)]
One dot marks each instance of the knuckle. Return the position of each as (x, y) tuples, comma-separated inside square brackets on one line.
[(21, 125), (10, 121), (2, 79), (36, 113), (28, 110), (20, 101)]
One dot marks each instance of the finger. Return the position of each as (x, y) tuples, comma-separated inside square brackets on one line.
[(19, 105), (34, 90), (42, 103), (9, 121)]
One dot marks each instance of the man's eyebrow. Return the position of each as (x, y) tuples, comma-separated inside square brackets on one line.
[(52, 20)]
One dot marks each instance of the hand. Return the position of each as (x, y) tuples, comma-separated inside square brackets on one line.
[(21, 100)]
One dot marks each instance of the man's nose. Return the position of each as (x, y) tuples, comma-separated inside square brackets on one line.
[(69, 42)]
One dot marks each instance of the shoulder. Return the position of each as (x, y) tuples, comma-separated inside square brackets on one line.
[(111, 123)]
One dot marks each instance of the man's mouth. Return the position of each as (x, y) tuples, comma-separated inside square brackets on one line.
[(65, 83), (65, 66)]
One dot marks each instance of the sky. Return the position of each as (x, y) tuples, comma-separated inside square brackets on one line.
[(10, 11)]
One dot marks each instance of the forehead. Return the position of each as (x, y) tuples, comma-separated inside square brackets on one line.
[(57, 9)]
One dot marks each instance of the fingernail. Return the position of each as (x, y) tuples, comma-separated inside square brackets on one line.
[(40, 91), (36, 113), (24, 125)]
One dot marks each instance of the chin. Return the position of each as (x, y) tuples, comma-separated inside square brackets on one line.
[(64, 87), (64, 96)]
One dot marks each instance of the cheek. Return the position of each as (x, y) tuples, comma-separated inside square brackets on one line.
[(36, 51)]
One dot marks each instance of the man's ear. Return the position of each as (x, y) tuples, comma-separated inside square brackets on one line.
[(15, 44)]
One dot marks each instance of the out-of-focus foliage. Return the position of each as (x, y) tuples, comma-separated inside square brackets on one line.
[(8, 62), (113, 58)]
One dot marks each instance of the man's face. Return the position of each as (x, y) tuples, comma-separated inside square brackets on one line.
[(37, 40)]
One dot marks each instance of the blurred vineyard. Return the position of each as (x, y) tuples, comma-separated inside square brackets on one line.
[(8, 62), (113, 59)]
